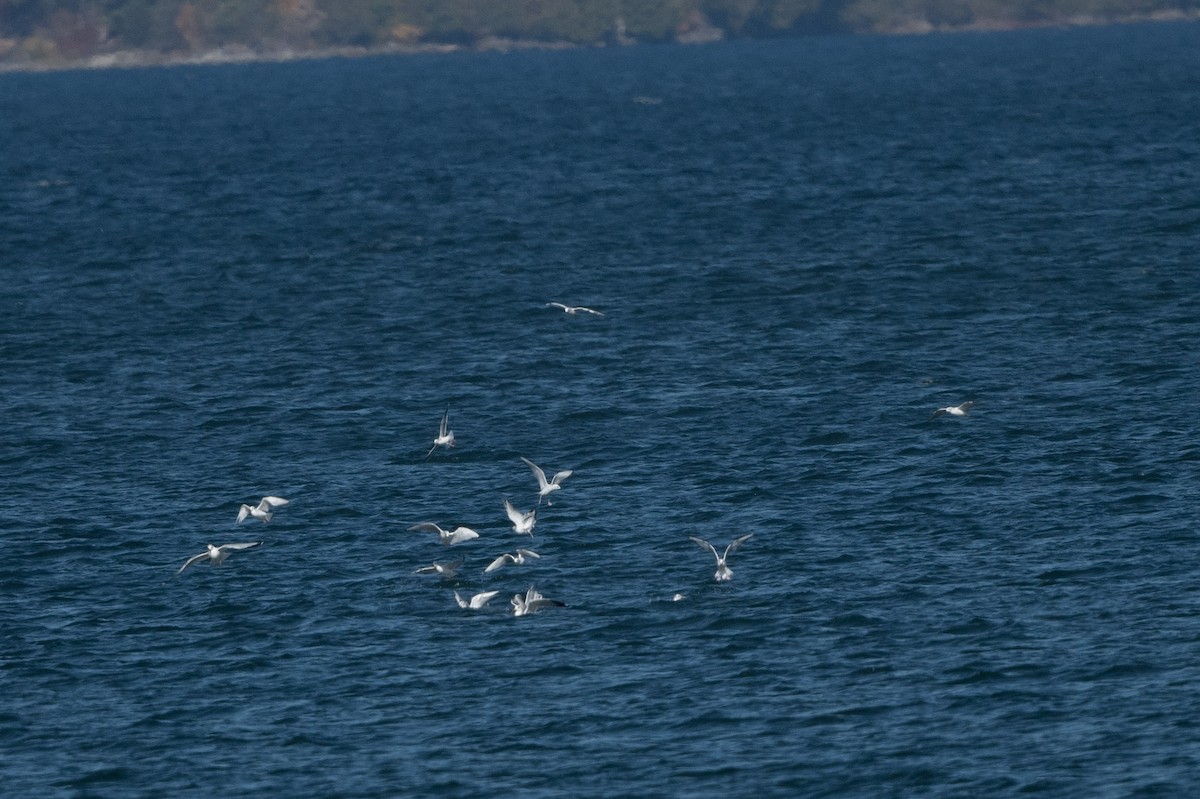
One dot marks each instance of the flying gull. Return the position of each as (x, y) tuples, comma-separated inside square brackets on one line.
[(263, 511), (953, 410), (517, 560), (216, 555), (522, 522), (574, 309), (448, 538), (544, 486), (723, 570), (445, 437), (445, 570)]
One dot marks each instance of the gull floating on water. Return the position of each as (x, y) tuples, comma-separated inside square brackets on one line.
[(455, 536), (574, 309), (723, 570), (544, 486), (216, 555), (263, 511), (953, 410), (517, 560), (445, 570), (445, 437), (533, 602), (522, 522), (476, 602)]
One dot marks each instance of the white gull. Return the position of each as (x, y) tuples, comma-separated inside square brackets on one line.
[(723, 570), (533, 602), (517, 559), (216, 555), (546, 486), (522, 522), (449, 538), (445, 436), (263, 511), (476, 602), (574, 309)]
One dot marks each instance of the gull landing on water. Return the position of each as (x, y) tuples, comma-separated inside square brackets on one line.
[(476, 602), (448, 538), (724, 573), (533, 602), (522, 522), (953, 410), (574, 309), (444, 570), (517, 560), (263, 511), (445, 436), (216, 555), (546, 486)]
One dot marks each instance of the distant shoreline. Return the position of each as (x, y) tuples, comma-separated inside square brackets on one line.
[(241, 54)]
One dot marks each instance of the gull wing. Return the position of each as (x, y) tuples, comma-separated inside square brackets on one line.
[(537, 472), (462, 603), (563, 475), (515, 516), (236, 547), (966, 406), (243, 512), (445, 423), (737, 542), (481, 599), (461, 534), (426, 527), (192, 560), (272, 502), (529, 553), (700, 542), (498, 562), (556, 305), (590, 310)]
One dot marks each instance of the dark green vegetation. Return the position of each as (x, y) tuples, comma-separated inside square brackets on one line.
[(70, 30)]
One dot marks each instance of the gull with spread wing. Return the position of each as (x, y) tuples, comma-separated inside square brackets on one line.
[(574, 309), (545, 487), (476, 602), (447, 537), (953, 410), (517, 559), (445, 436), (216, 555), (723, 571), (445, 570), (522, 522), (263, 511), (533, 602)]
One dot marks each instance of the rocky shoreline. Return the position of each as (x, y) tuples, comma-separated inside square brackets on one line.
[(707, 34)]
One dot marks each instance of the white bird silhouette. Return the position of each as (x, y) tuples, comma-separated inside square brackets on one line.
[(445, 570), (574, 309), (533, 602), (448, 538), (953, 410), (216, 555), (262, 511), (723, 570), (544, 486), (522, 522), (445, 437), (517, 559), (476, 602)]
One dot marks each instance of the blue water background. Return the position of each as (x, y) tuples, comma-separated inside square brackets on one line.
[(230, 281)]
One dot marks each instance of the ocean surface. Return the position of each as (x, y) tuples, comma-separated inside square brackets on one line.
[(225, 282)]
